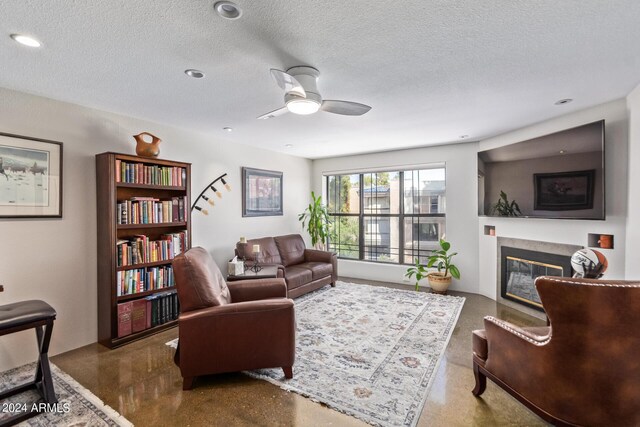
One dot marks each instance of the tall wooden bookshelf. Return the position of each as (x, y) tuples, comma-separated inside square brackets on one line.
[(112, 190)]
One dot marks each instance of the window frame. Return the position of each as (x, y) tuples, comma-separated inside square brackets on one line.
[(401, 215)]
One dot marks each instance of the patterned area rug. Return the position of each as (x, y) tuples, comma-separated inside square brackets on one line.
[(368, 351), (76, 406)]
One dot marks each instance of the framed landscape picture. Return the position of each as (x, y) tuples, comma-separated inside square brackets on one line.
[(261, 192), (564, 191), (30, 177)]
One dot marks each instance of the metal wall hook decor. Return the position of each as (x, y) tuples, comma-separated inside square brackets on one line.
[(209, 199)]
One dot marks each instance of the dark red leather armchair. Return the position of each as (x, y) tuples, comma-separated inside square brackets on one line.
[(583, 369), (247, 325)]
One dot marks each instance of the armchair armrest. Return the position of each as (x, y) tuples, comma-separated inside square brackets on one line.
[(500, 327), (237, 336), (257, 289), (247, 308)]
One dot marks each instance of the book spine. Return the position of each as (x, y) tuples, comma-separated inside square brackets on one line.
[(138, 315), (124, 319)]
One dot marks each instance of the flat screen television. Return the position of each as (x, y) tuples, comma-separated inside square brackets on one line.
[(560, 176)]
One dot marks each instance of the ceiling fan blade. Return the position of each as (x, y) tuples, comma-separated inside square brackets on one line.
[(274, 113), (288, 83), (346, 108)]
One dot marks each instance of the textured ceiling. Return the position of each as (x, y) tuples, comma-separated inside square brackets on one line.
[(431, 70)]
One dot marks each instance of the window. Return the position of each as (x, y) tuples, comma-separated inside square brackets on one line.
[(394, 216)]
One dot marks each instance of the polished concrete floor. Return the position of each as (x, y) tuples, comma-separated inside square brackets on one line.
[(141, 382)]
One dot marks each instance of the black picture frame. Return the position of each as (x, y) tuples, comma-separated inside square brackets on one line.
[(30, 177), (261, 192), (564, 191)]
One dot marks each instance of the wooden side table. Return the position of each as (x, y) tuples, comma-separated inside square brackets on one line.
[(267, 272)]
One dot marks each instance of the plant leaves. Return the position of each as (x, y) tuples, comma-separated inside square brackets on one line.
[(454, 271)]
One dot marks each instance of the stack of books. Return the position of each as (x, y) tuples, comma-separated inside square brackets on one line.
[(140, 249), (149, 210), (144, 279), (144, 313), (139, 173)]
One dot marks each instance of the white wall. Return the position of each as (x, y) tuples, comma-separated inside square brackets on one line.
[(462, 220), (633, 218), (567, 231), (55, 259)]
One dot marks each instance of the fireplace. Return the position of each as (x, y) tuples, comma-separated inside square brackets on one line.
[(520, 268)]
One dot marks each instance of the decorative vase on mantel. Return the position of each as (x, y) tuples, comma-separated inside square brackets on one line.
[(147, 149)]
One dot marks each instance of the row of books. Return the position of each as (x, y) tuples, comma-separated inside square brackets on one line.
[(140, 249), (139, 173), (144, 279), (144, 313), (149, 210)]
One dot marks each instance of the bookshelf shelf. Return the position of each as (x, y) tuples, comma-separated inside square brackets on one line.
[(149, 186), (143, 265), (143, 294), (158, 305), (153, 225)]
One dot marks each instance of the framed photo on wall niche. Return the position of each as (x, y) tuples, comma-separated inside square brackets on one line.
[(30, 177), (261, 192)]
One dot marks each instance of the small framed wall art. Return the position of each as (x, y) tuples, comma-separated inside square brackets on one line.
[(261, 192), (30, 177), (564, 191)]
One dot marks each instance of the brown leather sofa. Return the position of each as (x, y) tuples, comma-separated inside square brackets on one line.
[(304, 270), (583, 369), (247, 325)]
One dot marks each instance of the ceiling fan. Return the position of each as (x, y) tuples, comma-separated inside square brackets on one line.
[(301, 95)]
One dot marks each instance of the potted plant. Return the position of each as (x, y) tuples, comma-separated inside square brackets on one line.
[(419, 271), (316, 220), (439, 281), (505, 208), (441, 259)]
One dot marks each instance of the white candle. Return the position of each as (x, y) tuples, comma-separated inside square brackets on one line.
[(243, 240), (256, 248)]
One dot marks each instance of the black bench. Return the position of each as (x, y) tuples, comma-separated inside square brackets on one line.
[(20, 316)]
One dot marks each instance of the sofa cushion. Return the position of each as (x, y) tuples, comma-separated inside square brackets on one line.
[(318, 269), (297, 276), (268, 250), (291, 249), (199, 282)]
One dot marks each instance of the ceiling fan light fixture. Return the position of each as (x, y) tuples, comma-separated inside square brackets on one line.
[(303, 106), (227, 10)]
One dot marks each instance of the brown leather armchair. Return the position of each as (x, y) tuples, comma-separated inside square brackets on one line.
[(247, 325), (583, 369)]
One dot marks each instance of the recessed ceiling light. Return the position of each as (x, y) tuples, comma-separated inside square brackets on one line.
[(563, 151), (563, 101), (196, 74), (26, 40), (228, 10), (464, 136), (228, 129), (288, 146)]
